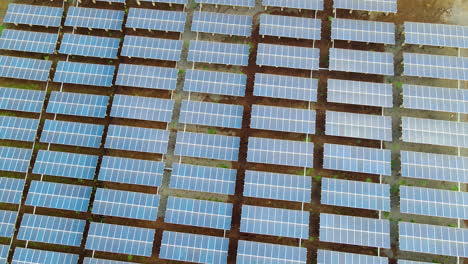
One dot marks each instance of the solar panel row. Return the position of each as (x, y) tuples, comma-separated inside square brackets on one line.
[(436, 35), (290, 27), (288, 56), (435, 132), (299, 4), (218, 53), (156, 20), (84, 73), (28, 41), (332, 257), (435, 98), (150, 77), (94, 18), (28, 255), (7, 223), (363, 31), (131, 171), (360, 93), (33, 15), (24, 68), (283, 119), (345, 124), (89, 46), (286, 87), (21, 100), (11, 190), (88, 105), (14, 159), (218, 23), (137, 139), (63, 164), (71, 133), (435, 66), (151, 48), (388, 6), (142, 108), (208, 146), (211, 114), (360, 61), (18, 128), (212, 82), (256, 252)]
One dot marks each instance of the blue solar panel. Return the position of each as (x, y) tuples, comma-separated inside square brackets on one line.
[(125, 204), (131, 171), (51, 230), (360, 61), (283, 119), (24, 68), (354, 230), (71, 133), (29, 41), (357, 159), (402, 261), (89, 46), (207, 146), (435, 98), (11, 190), (299, 4), (243, 3), (64, 164), (182, 2), (388, 6), (14, 159), (212, 82), (256, 252), (33, 15), (363, 31), (211, 114), (120, 239), (288, 56), (151, 48), (355, 194), (360, 93), (146, 77), (59, 196), (137, 139), (143, 108), (218, 53), (21, 100), (18, 128), (435, 132), (156, 20), (4, 250), (333, 257), (343, 124), (281, 152), (103, 261), (274, 222), (436, 35), (286, 87), (194, 248), (84, 73), (277, 186), (94, 18), (435, 66), (7, 223), (290, 27), (200, 213), (203, 179), (35, 256), (89, 105), (218, 23)]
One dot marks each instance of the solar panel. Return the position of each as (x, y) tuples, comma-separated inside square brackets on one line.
[(21, 100), (277, 186), (34, 15), (212, 82), (218, 53), (151, 48), (156, 20), (435, 132), (360, 93), (18, 128), (24, 68), (207, 146), (182, 2), (434, 166), (435, 98), (51, 230), (211, 114), (71, 133), (7, 223), (142, 108), (388, 6), (94, 18), (361, 61), (332, 257), (199, 213), (89, 46), (4, 250), (436, 35), (19, 40), (435, 66), (225, 24), (431, 239), (280, 152), (70, 165), (290, 27), (11, 190), (84, 73), (363, 31), (274, 222), (146, 77), (103, 261), (355, 194), (131, 171), (112, 1), (243, 3), (194, 248), (256, 252), (137, 139), (354, 230), (59, 196), (283, 119), (35, 256), (343, 124), (14, 159), (299, 4), (89, 105), (288, 56), (357, 159), (286, 87), (203, 179), (402, 261)]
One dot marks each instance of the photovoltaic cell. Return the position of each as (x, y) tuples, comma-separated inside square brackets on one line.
[(286, 87), (211, 114), (24, 68), (207, 146), (28, 41), (14, 159), (11, 190), (436, 35), (151, 48), (89, 46), (360, 61), (256, 252), (401, 261), (435, 66), (35, 256), (4, 250), (218, 23), (18, 128), (288, 56), (290, 27), (94, 18), (21, 100), (299, 4), (137, 139), (71, 133), (435, 98), (131, 171), (156, 20), (212, 82), (63, 164), (243, 3), (218, 53), (33, 15), (387, 6), (360, 93), (103, 261), (363, 31), (84, 73), (332, 257), (365, 126), (283, 119), (7, 223), (89, 105), (142, 108), (435, 132), (150, 77)]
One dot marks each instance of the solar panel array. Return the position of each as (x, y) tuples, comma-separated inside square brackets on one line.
[(89, 105), (299, 4), (208, 146), (131, 171), (4, 249), (11, 190), (137, 139), (212, 82), (290, 27), (256, 252), (281, 152), (142, 108), (94, 18), (218, 23), (283, 119), (14, 159), (151, 48), (435, 66), (23, 68), (211, 114), (28, 255), (33, 15), (21, 100), (435, 98), (28, 41), (89, 46), (65, 164), (156, 19), (150, 77), (84, 73), (387, 6), (71, 133), (218, 53), (286, 87), (288, 56), (360, 93), (18, 128), (360, 61), (363, 31), (332, 257), (436, 35), (7, 223), (345, 124)]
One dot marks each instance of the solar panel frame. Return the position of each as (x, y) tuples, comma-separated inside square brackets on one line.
[(131, 171), (11, 190), (139, 139), (218, 53), (142, 108), (360, 61), (387, 6), (72, 133), (208, 146), (18, 128), (211, 114), (290, 27), (256, 252), (36, 256), (77, 104), (331, 257), (84, 73), (156, 20), (220, 23), (360, 93), (150, 77), (63, 164), (21, 100), (33, 15), (431, 34), (288, 56), (94, 18), (241, 3), (363, 31), (7, 223), (24, 68), (286, 87), (435, 66), (344, 124), (28, 41), (89, 46), (151, 48), (435, 98), (283, 119), (212, 82), (14, 159)]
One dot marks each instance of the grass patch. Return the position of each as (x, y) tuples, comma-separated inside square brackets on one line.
[(223, 166), (318, 178), (27, 86), (2, 27), (211, 131), (399, 85)]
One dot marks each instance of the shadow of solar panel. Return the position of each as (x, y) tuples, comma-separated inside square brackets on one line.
[(103, 261), (94, 18), (59, 196), (65, 164), (18, 128), (131, 171), (280, 152), (137, 139), (27, 255), (286, 87), (363, 31), (212, 82), (142, 108), (84, 73), (89, 46), (388, 6), (332, 257), (288, 56), (435, 98), (4, 250), (436, 35), (435, 66), (120, 239), (11, 190), (243, 3), (71, 133), (360, 93), (23, 68), (156, 20), (21, 100), (14, 159), (290, 27), (218, 23), (203, 179), (207, 146), (360, 61), (89, 105), (256, 252), (283, 119), (299, 4), (147, 77), (28, 41), (211, 114), (33, 15), (218, 53), (7, 223), (365, 126), (151, 48)]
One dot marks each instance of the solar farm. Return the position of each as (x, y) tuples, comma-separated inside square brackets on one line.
[(232, 131)]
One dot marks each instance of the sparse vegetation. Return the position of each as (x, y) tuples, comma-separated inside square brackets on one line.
[(2, 27), (211, 131)]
